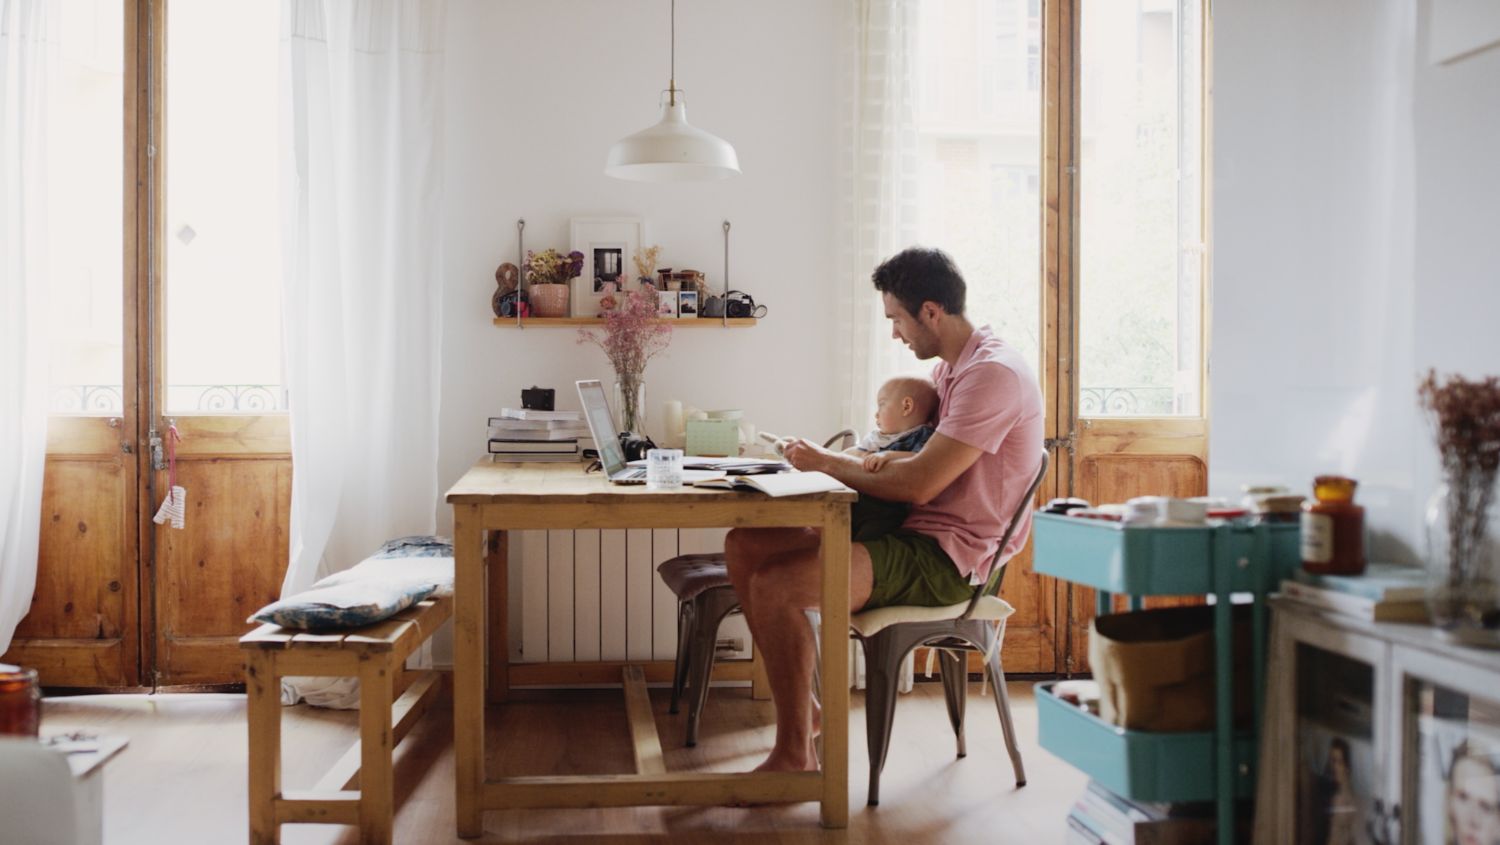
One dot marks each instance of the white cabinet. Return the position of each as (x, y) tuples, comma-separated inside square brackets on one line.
[(1377, 733)]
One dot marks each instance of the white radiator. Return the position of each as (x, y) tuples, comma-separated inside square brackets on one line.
[(594, 595)]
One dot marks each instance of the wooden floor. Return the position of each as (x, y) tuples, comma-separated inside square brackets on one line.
[(183, 777)]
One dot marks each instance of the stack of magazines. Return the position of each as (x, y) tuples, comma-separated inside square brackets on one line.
[(525, 435)]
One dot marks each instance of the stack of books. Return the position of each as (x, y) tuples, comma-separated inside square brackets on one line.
[(1384, 593), (1100, 817), (520, 434)]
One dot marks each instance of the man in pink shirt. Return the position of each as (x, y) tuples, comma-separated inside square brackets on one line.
[(961, 487)]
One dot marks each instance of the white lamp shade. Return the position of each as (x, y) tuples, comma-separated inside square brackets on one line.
[(672, 151)]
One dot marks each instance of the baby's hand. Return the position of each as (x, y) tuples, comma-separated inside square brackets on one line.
[(875, 460)]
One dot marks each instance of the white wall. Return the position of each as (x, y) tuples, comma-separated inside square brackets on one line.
[(1357, 243), (537, 91)]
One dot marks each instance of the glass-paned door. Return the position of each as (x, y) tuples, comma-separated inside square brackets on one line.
[(83, 625), (1448, 777), (1136, 263), (979, 142), (217, 342)]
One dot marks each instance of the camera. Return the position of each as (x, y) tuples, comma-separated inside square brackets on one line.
[(538, 398), (736, 303)]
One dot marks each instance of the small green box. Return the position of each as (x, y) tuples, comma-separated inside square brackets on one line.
[(713, 438)]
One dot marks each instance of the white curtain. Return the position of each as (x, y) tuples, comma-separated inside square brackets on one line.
[(28, 57), (363, 113), (878, 192)]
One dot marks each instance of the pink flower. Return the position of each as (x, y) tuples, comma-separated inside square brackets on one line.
[(632, 335)]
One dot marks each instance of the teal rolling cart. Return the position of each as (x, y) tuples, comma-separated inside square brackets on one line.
[(1215, 560)]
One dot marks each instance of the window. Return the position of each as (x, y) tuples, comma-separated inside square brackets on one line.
[(979, 129), (85, 223), (222, 214), (1140, 238)]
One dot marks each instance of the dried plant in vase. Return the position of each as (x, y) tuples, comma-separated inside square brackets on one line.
[(645, 263), (631, 337), (549, 272), (1463, 521)]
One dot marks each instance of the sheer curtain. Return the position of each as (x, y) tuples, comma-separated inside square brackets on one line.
[(362, 209), (28, 55), (878, 193)]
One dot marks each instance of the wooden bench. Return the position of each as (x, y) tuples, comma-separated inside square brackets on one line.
[(375, 654)]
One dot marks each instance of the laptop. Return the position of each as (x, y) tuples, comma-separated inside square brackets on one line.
[(611, 457)]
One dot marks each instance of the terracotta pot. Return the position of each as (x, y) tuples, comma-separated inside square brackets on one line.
[(549, 300)]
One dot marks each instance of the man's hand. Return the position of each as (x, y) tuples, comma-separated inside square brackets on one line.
[(875, 460), (805, 455)]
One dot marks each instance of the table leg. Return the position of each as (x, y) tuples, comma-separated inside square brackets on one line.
[(468, 668), (835, 657), (497, 564)]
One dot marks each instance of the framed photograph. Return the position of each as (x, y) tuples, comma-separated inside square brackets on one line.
[(687, 303), (667, 305), (609, 246)]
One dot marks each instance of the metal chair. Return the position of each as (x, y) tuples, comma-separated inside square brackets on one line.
[(704, 597), (889, 634)]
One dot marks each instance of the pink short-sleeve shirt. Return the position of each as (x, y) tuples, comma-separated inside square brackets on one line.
[(988, 400)]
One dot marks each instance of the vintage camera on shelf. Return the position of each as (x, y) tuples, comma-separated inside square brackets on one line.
[(738, 303), (508, 304), (538, 398)]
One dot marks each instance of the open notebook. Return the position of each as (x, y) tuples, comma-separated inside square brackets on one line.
[(778, 484)]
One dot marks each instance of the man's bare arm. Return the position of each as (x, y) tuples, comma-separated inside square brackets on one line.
[(917, 479)]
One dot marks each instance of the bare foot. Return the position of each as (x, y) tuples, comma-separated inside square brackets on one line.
[(790, 762)]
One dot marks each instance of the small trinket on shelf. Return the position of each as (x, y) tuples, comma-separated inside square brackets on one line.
[(1333, 528)]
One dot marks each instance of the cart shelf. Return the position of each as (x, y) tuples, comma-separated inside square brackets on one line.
[(1139, 765), (1148, 561)]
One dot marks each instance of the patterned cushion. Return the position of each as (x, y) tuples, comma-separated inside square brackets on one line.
[(350, 605), (690, 575), (401, 573)]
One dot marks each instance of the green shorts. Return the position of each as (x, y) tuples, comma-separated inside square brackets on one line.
[(912, 569)]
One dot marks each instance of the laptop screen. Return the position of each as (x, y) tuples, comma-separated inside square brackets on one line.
[(601, 426)]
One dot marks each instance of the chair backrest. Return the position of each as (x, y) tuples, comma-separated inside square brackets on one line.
[(844, 439), (36, 794), (997, 568)]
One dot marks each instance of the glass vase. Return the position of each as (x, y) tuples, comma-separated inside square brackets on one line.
[(630, 402), (1463, 564)]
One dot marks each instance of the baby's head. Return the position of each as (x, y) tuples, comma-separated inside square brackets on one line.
[(904, 403)]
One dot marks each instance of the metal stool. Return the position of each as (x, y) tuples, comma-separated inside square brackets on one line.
[(704, 598)]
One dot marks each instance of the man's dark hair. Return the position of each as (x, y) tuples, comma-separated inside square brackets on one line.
[(919, 274)]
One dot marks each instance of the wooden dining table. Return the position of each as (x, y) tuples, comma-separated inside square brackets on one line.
[(493, 498)]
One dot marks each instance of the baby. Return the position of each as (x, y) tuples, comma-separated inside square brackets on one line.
[(904, 408)]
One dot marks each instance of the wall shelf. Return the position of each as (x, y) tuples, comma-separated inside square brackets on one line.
[(584, 322)]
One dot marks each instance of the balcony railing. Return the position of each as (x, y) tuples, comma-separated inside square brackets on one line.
[(1125, 402), (102, 399)]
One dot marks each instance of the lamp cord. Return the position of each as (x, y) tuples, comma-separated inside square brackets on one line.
[(672, 76)]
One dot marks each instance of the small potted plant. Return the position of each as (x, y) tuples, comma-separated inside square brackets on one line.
[(549, 272)]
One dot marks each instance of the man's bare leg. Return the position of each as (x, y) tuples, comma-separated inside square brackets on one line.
[(780, 584)]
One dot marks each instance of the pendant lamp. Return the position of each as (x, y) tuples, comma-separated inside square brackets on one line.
[(672, 150)]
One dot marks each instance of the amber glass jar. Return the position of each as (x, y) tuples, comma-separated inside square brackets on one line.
[(1333, 529), (20, 701)]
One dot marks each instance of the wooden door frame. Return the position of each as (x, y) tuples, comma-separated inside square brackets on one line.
[(1061, 117), (1059, 271)]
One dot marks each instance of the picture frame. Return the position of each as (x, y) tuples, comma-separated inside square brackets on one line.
[(687, 304), (609, 246), (667, 306)]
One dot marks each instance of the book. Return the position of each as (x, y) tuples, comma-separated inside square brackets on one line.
[(534, 425), (503, 447), (535, 458), (537, 434), (1357, 606), (777, 484), (529, 414), (1387, 582), (1117, 820)]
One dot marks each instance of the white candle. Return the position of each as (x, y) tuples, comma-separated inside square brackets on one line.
[(672, 420)]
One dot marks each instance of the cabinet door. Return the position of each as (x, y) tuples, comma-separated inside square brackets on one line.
[(1447, 729), (1331, 741)]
